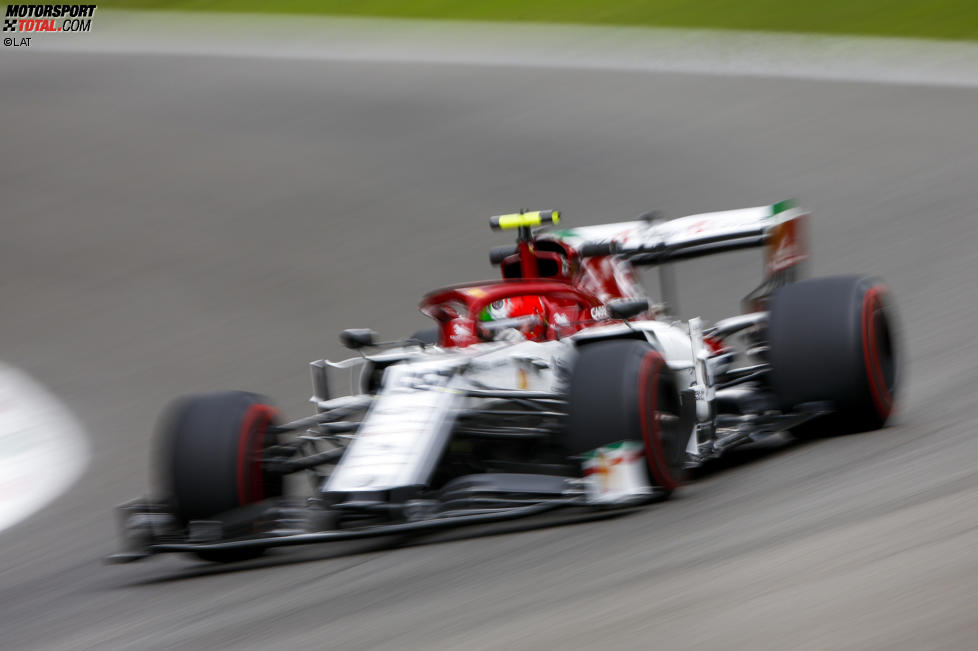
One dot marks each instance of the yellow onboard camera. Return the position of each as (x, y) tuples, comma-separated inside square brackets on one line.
[(524, 219)]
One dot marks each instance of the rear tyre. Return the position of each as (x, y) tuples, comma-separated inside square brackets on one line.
[(210, 449), (623, 390), (834, 340)]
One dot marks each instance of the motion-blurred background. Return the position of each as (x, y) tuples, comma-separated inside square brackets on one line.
[(940, 19), (191, 202)]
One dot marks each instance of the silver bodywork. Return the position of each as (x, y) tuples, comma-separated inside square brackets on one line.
[(424, 390), (410, 419)]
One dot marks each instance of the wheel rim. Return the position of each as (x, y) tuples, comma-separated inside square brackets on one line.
[(650, 415), (250, 475), (878, 351)]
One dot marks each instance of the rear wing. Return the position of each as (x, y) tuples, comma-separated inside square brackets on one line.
[(780, 228)]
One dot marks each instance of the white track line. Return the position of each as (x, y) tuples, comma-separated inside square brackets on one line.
[(700, 51), (42, 448)]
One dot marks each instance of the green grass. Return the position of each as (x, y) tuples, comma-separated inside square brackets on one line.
[(943, 19)]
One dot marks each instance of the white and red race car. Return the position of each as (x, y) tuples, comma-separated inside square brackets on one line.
[(559, 386)]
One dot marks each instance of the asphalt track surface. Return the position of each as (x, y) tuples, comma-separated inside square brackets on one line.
[(177, 224)]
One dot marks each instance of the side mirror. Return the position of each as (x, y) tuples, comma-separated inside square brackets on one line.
[(626, 308), (499, 253), (356, 338)]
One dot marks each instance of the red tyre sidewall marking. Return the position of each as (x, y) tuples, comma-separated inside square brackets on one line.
[(871, 309), (651, 435), (254, 425)]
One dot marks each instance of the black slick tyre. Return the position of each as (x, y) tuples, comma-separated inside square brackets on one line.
[(210, 449), (623, 390), (834, 340)]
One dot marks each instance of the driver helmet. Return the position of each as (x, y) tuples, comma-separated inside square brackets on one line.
[(510, 308)]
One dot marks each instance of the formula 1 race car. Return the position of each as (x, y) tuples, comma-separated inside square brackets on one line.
[(559, 386)]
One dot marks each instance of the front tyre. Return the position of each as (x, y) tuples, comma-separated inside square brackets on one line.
[(834, 340), (623, 390), (211, 449)]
